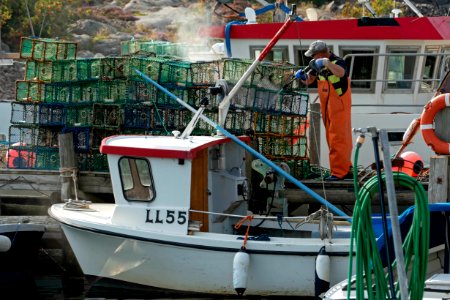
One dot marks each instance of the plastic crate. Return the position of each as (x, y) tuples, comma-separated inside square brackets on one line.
[(20, 158), (107, 116), (98, 162), (140, 91), (58, 93), (85, 92), (137, 116), (234, 68), (300, 167), (51, 114), (36, 71), (40, 49), (79, 115), (24, 113), (238, 122), (88, 69), (273, 75), (282, 146), (113, 68), (22, 136), (196, 94), (293, 103), (52, 71), (47, 137), (163, 100), (81, 138), (166, 120), (98, 134), (29, 91), (150, 66), (183, 73), (47, 158), (115, 91), (244, 98), (133, 47)]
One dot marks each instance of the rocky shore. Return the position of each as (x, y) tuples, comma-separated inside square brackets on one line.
[(170, 20)]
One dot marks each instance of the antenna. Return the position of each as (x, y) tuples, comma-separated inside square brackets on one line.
[(413, 7), (368, 6)]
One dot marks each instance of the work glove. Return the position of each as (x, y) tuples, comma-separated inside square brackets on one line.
[(301, 74), (318, 64)]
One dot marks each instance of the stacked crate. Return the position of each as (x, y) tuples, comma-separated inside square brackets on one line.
[(275, 114), (99, 97), (33, 135)]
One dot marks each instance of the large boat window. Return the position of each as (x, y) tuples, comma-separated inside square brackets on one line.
[(277, 54), (137, 181), (430, 70), (400, 68), (361, 67)]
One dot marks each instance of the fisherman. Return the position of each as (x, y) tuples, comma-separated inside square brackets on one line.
[(333, 86)]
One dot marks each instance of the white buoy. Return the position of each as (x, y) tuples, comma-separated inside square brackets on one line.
[(5, 243), (241, 262), (322, 276)]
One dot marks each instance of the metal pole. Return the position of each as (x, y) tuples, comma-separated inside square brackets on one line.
[(249, 149), (393, 210), (374, 134)]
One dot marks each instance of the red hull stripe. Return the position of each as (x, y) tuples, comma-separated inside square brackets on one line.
[(411, 28), (161, 153)]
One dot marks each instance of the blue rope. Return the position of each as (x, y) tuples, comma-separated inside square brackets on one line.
[(227, 35)]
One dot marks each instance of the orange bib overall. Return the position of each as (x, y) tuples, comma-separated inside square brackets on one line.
[(336, 115)]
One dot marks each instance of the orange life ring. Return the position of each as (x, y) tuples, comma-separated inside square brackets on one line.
[(430, 110)]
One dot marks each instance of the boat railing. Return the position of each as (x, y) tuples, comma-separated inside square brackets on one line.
[(421, 75)]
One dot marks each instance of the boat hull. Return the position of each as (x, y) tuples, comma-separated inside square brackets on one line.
[(25, 242), (201, 263)]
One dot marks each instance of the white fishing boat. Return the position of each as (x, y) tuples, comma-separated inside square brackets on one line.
[(181, 218), (159, 232)]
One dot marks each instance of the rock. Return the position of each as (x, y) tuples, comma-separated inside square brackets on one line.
[(4, 47), (90, 27), (107, 47), (84, 41), (145, 5), (163, 17)]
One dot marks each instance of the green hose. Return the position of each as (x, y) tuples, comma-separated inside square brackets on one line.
[(368, 260)]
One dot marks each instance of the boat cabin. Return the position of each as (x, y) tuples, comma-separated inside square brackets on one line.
[(161, 178)]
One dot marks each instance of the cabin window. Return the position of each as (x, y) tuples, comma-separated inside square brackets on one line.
[(277, 54), (137, 181), (430, 76), (361, 67), (400, 66)]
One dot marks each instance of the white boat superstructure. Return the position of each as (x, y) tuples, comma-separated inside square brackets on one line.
[(395, 65)]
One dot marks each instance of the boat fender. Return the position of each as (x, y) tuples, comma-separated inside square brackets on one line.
[(426, 123), (241, 263), (5, 243), (322, 276)]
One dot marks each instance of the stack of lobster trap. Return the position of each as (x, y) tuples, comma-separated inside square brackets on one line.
[(97, 97)]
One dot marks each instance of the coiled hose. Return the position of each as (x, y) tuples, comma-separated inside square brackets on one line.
[(368, 259)]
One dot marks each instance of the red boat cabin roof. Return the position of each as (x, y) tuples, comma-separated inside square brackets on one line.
[(406, 28)]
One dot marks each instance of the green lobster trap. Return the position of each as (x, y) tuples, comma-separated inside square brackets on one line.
[(29, 91), (40, 49)]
